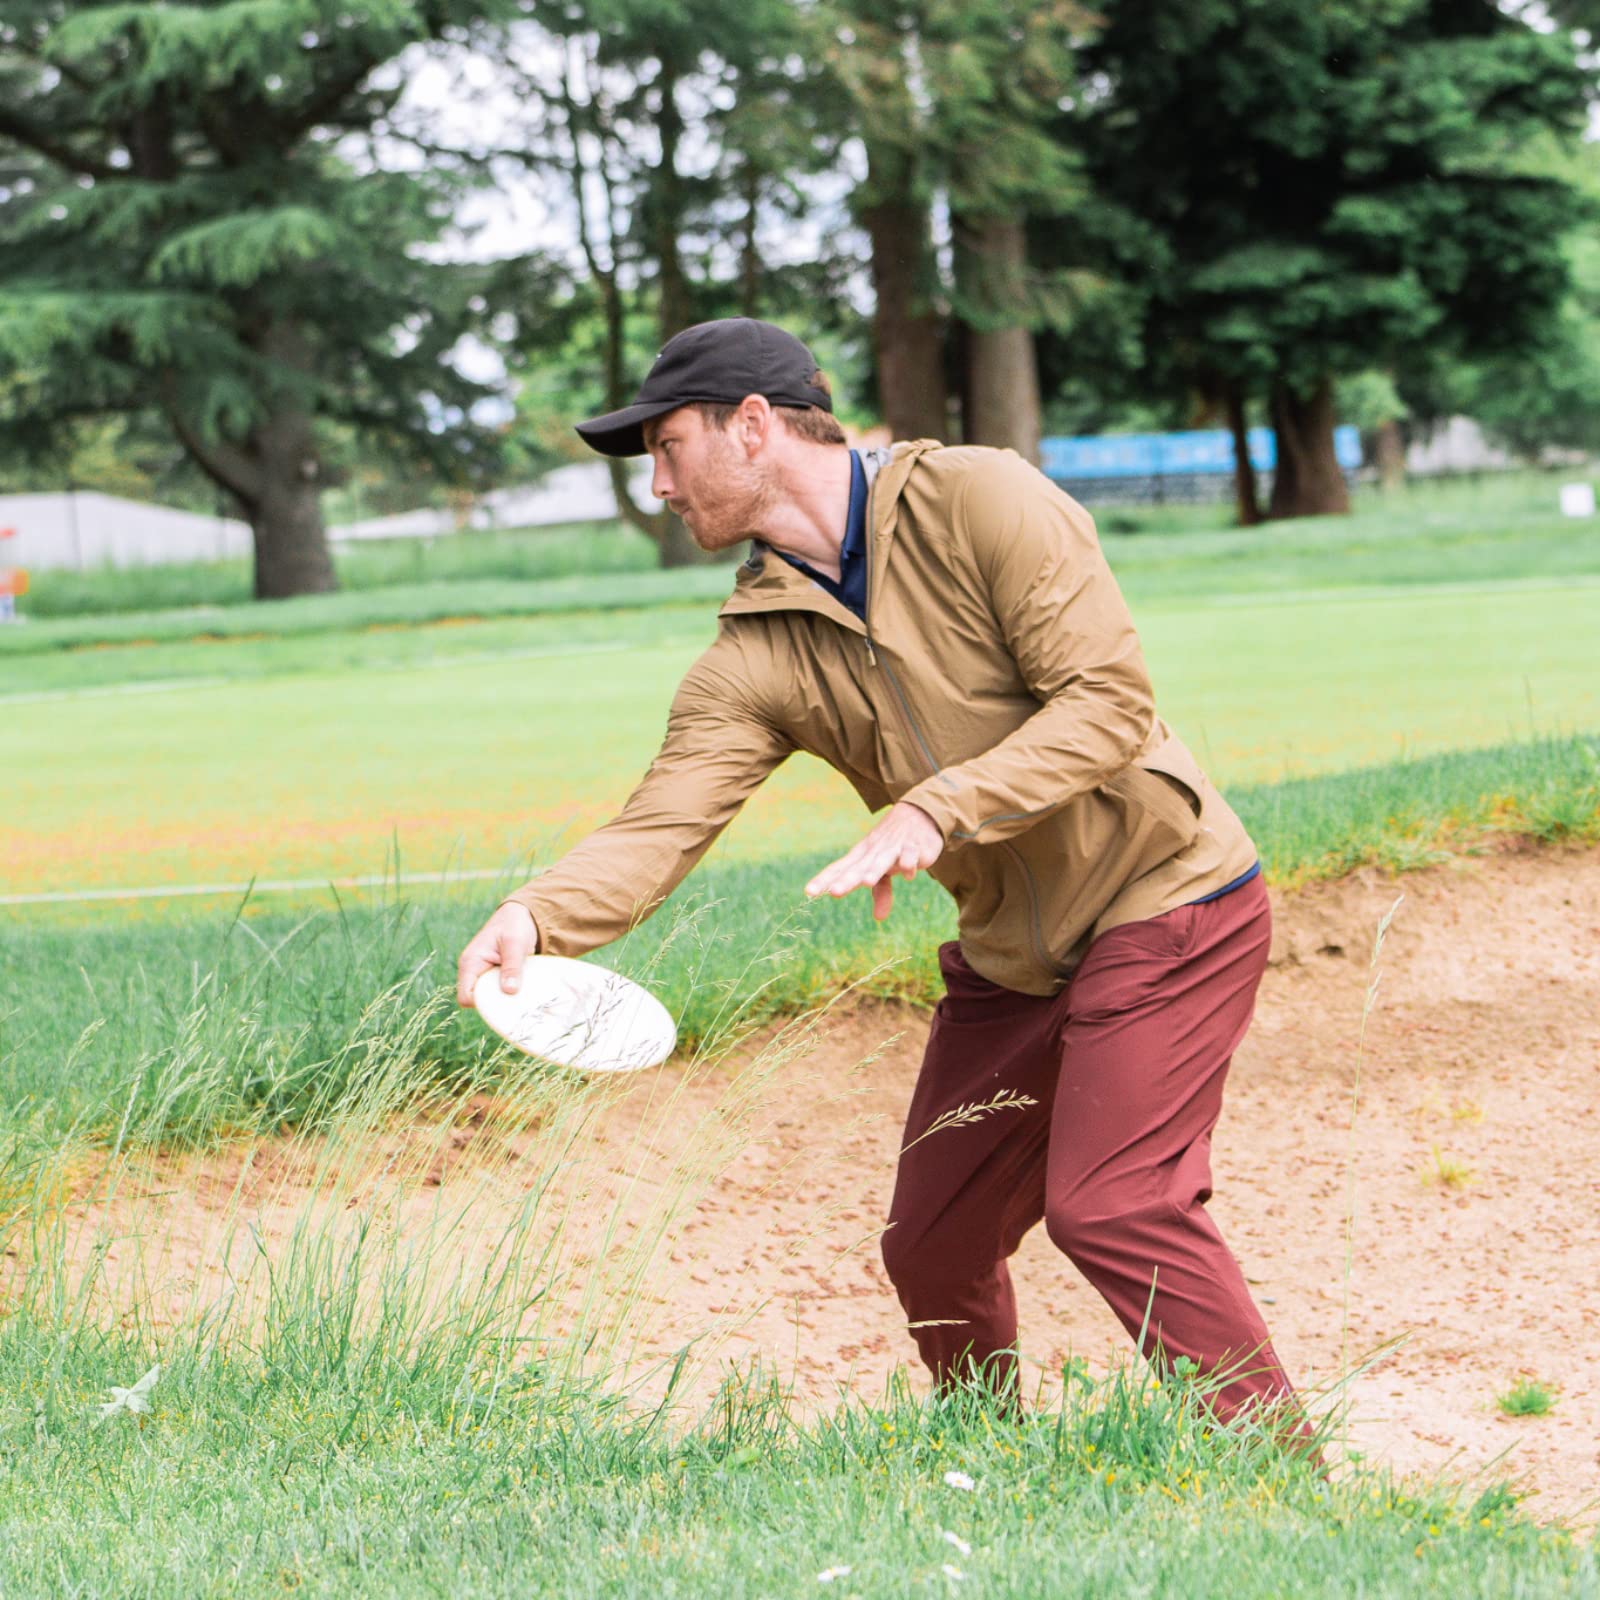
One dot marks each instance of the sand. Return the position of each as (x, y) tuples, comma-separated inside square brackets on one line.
[(733, 1204)]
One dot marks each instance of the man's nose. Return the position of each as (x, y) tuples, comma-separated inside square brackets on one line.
[(661, 482)]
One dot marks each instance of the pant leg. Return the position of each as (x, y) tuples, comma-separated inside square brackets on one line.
[(1154, 1014), (966, 1193)]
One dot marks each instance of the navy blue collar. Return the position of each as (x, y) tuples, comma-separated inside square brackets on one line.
[(851, 589), (855, 524)]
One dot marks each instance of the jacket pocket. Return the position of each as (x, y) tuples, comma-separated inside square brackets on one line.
[(1181, 797), (1166, 783)]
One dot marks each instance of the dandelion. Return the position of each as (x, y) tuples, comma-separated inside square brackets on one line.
[(952, 1572), (959, 1480), (828, 1574), (134, 1400), (956, 1540)]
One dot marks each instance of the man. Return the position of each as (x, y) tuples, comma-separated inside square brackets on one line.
[(940, 625)]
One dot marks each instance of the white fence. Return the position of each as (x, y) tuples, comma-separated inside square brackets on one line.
[(569, 494), (81, 529)]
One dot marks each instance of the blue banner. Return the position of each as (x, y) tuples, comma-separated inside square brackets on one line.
[(1162, 455)]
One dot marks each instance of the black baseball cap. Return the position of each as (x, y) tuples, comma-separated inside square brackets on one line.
[(720, 362)]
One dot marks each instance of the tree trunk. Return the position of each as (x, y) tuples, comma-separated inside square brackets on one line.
[(908, 337), (290, 542), (285, 512), (673, 309), (275, 474), (749, 253), (1245, 492), (1389, 452), (1307, 481), (1001, 392)]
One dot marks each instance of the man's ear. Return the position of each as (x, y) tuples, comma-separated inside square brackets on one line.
[(755, 422)]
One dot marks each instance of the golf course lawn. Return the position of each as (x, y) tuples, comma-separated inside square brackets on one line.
[(374, 1349), (282, 758)]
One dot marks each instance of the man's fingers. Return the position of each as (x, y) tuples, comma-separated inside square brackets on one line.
[(474, 963), (882, 898), (845, 875), (506, 941), (886, 852), (514, 951), (831, 875)]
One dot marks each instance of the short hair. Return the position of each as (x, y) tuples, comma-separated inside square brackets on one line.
[(811, 423)]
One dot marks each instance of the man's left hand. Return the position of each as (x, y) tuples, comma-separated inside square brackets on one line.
[(905, 842)]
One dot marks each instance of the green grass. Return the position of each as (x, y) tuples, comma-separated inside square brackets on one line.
[(398, 605), (1491, 530), (256, 1014), (348, 1402), (305, 739), (1527, 1397), (249, 1480), (523, 556), (338, 651), (1417, 812), (475, 745)]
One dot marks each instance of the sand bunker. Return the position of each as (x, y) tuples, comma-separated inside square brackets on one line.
[(1472, 1149)]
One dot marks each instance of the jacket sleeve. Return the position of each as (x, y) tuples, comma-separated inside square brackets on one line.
[(718, 749), (1064, 621)]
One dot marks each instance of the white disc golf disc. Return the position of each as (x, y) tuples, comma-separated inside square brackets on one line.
[(578, 1014)]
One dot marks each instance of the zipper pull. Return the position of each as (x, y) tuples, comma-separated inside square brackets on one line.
[(871, 658)]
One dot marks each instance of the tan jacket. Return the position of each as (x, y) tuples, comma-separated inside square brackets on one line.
[(997, 684)]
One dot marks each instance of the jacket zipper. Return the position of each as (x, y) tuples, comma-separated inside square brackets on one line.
[(1035, 929), (1034, 926), (872, 489)]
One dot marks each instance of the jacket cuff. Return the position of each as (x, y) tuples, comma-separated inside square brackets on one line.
[(939, 799)]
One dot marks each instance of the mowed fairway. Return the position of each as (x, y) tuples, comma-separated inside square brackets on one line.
[(503, 751)]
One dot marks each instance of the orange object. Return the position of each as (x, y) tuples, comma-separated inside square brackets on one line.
[(8, 533), (14, 581)]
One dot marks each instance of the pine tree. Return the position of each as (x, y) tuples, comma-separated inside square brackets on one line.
[(1301, 192), (184, 232)]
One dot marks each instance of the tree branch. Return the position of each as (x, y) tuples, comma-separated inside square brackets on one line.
[(321, 106), (653, 524), (15, 128), (470, 158), (226, 465)]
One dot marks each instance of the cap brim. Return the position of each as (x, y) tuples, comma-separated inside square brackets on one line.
[(621, 433)]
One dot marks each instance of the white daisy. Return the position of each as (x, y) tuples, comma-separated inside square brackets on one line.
[(959, 1480)]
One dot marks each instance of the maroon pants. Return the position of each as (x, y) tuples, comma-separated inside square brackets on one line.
[(1126, 1066)]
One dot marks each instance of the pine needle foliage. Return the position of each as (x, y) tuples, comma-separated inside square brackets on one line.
[(194, 222)]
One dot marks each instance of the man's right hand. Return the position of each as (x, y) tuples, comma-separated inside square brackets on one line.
[(506, 940)]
